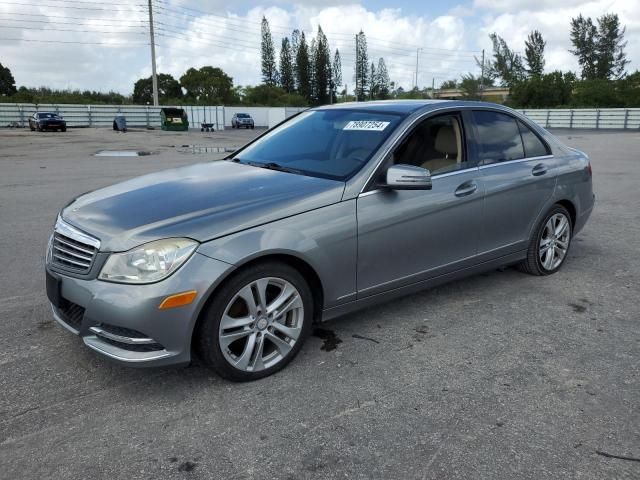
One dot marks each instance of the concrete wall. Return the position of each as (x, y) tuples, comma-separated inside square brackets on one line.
[(146, 116), (13, 114)]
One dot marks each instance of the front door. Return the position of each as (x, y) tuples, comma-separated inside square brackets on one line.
[(406, 236)]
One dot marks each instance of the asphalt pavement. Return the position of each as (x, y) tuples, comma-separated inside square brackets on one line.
[(498, 376)]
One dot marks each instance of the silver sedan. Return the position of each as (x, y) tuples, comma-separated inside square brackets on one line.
[(336, 209)]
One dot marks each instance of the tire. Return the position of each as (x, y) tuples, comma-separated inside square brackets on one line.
[(256, 338), (557, 241), (252, 127), (32, 128), (39, 128), (63, 129)]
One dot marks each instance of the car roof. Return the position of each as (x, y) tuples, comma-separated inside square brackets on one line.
[(407, 107)]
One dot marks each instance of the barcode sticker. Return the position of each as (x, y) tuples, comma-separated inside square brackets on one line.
[(368, 125)]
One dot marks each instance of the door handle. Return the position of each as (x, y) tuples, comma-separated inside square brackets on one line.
[(539, 169), (465, 189)]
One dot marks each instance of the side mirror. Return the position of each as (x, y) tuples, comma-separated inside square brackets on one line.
[(408, 177)]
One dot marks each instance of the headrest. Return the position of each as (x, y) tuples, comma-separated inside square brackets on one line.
[(446, 140)]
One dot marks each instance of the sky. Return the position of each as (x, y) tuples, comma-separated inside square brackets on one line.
[(105, 46)]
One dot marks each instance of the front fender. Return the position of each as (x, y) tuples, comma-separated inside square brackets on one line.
[(325, 239)]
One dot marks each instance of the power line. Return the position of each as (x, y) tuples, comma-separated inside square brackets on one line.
[(56, 22), (7, 2), (92, 3), (46, 15), (69, 30), (129, 44), (390, 51), (286, 30), (207, 42)]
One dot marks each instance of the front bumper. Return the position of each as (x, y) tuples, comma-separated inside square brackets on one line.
[(123, 322), (52, 126)]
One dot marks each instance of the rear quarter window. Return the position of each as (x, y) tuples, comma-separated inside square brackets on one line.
[(533, 146)]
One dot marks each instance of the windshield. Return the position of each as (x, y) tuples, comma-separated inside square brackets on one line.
[(243, 115), (47, 115), (331, 144)]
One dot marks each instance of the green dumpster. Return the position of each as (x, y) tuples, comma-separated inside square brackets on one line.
[(174, 119)]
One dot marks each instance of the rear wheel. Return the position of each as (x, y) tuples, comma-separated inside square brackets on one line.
[(550, 243), (256, 323)]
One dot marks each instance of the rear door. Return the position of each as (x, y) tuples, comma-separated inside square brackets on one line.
[(518, 173)]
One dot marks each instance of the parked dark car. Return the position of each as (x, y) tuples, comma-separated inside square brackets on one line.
[(47, 121), (242, 120), (336, 209)]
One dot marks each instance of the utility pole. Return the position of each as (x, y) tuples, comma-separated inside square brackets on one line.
[(482, 76), (433, 87), (356, 90), (417, 62), (154, 76)]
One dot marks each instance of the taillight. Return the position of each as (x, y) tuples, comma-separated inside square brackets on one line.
[(589, 169)]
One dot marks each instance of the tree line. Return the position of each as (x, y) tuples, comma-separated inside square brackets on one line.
[(305, 68), (306, 72), (602, 81)]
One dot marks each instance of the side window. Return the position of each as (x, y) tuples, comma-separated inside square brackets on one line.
[(435, 144), (498, 137), (533, 146)]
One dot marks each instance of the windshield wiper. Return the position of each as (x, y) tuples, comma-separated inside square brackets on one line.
[(272, 166)]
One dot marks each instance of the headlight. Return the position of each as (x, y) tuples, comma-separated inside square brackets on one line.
[(148, 263)]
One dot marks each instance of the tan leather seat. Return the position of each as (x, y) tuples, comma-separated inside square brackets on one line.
[(447, 145)]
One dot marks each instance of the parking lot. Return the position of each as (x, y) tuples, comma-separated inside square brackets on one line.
[(501, 375)]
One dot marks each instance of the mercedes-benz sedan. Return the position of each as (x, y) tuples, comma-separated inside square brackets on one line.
[(333, 210)]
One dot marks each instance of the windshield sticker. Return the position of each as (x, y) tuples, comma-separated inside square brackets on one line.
[(367, 125)]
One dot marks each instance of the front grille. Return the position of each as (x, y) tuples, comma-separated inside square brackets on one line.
[(72, 254), (71, 313)]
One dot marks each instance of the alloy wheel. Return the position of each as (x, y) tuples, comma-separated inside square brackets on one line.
[(261, 324), (554, 241)]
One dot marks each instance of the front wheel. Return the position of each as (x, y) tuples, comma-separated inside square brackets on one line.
[(256, 323), (550, 243)]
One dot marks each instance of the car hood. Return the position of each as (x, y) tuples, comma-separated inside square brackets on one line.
[(203, 202)]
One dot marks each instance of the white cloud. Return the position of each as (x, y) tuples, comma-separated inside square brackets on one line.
[(554, 23), (232, 41)]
